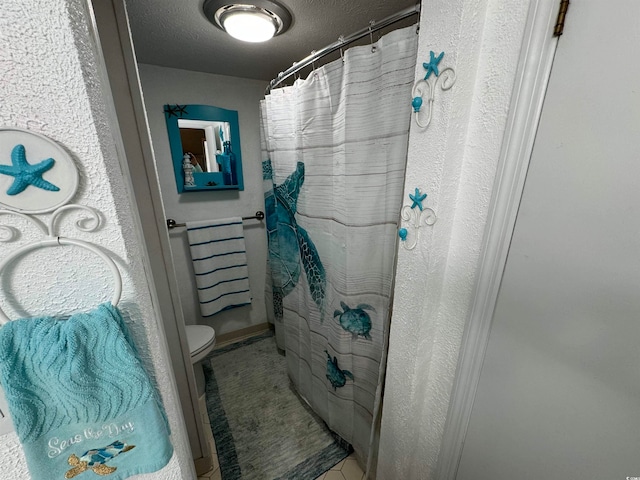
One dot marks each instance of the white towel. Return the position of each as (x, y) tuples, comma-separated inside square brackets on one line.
[(220, 264)]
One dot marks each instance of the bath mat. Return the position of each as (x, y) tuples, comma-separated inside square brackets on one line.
[(262, 429)]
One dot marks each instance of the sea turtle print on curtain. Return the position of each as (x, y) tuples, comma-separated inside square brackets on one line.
[(356, 320), (336, 376), (289, 244)]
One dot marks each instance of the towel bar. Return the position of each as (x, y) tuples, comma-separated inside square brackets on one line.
[(56, 241), (171, 223)]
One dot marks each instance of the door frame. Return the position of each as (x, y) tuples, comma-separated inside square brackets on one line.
[(118, 70), (534, 68)]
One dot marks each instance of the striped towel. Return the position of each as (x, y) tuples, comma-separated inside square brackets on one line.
[(220, 264)]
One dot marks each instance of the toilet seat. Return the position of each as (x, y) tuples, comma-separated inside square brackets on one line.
[(201, 340)]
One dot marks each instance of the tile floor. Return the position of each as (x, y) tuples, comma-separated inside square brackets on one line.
[(347, 469)]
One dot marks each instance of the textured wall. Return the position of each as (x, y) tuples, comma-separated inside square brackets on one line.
[(50, 85), (454, 162), (161, 85)]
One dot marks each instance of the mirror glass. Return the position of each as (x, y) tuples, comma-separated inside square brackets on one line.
[(202, 141), (205, 147)]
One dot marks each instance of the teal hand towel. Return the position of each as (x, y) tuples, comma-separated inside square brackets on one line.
[(80, 399)]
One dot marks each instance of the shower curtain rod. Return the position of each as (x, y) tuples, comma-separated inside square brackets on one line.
[(341, 42)]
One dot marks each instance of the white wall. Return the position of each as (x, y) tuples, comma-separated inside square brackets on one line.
[(50, 85), (454, 161), (161, 86)]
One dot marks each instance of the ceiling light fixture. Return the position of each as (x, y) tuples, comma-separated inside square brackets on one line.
[(250, 21)]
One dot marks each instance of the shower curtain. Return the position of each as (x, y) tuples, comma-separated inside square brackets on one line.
[(334, 148)]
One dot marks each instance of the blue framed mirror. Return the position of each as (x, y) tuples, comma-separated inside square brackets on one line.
[(205, 147)]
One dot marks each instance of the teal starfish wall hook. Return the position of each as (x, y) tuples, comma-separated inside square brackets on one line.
[(415, 218), (417, 199), (424, 90), (432, 64), (26, 174)]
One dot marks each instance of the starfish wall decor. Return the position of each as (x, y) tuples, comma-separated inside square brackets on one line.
[(432, 65), (37, 175), (414, 216), (26, 174), (417, 199), (426, 88), (175, 110)]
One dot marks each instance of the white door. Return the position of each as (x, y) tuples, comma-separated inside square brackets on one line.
[(559, 392)]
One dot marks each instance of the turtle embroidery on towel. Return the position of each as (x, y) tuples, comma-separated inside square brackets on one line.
[(337, 377), (290, 246), (355, 320), (96, 459)]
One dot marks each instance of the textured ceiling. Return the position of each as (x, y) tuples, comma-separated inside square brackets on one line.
[(175, 33)]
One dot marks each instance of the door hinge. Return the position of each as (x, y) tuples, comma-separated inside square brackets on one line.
[(562, 14)]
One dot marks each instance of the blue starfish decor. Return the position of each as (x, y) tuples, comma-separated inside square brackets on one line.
[(417, 199), (26, 174), (424, 90), (415, 218), (432, 65)]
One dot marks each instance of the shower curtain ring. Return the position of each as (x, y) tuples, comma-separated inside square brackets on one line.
[(371, 24), (341, 40), (296, 75), (313, 65)]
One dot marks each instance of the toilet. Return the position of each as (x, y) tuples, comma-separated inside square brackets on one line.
[(201, 340)]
